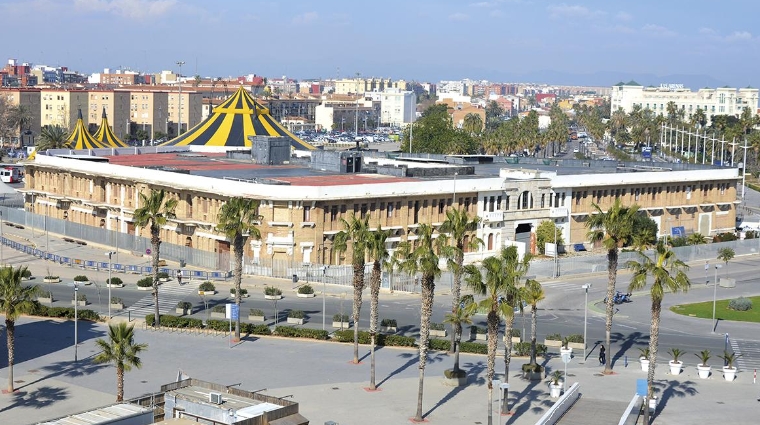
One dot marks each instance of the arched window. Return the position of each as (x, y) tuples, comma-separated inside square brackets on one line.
[(490, 242), (526, 201)]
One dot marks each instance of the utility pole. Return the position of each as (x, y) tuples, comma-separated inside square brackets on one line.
[(179, 100)]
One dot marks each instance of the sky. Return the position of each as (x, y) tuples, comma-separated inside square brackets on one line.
[(597, 42)]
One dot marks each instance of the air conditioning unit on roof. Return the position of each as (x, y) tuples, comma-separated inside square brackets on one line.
[(215, 398)]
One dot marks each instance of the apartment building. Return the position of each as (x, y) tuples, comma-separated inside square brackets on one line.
[(61, 106), (718, 101), (149, 109), (398, 107), (116, 106), (29, 100)]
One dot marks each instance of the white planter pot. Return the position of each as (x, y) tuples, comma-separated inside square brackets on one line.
[(729, 373), (206, 292), (180, 311), (306, 295), (45, 300), (675, 367), (163, 279), (115, 285), (117, 306), (215, 315), (438, 334), (341, 325), (256, 318), (242, 296), (576, 345), (53, 281), (653, 404), (79, 303), (555, 390), (388, 329), (644, 364), (144, 288), (294, 321), (272, 297), (552, 343), (704, 371)]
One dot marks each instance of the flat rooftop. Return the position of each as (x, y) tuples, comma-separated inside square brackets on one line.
[(102, 415)]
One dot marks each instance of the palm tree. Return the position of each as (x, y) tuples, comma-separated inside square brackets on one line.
[(52, 137), (356, 231), (726, 255), (472, 123), (15, 300), (121, 350), (462, 315), (457, 225), (533, 293), (669, 274), (516, 269), (378, 253), (611, 228), (237, 221), (422, 258), (696, 238), (157, 208)]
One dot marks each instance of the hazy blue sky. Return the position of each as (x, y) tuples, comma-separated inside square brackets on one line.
[(529, 40)]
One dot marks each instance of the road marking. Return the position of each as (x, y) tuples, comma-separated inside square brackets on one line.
[(750, 354), (168, 297)]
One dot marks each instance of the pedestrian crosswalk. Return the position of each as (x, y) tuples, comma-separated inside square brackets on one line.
[(561, 286), (169, 294), (749, 352)]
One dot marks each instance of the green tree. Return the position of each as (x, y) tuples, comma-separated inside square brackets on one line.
[(545, 233), (699, 118), (462, 315), (434, 133), (726, 255), (472, 123), (237, 221), (529, 132), (156, 209), (644, 232), (457, 225), (121, 350), (52, 137), (557, 131), (532, 294), (15, 300), (494, 112), (612, 229), (422, 258), (672, 110), (356, 232), (696, 238), (378, 253), (669, 275), (515, 269)]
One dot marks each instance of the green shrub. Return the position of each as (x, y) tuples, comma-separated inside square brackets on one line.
[(256, 312), (380, 339), (207, 286), (218, 325), (82, 297), (26, 274), (398, 340), (145, 282), (296, 314), (52, 277), (750, 234), (388, 322), (527, 367), (437, 327), (575, 338), (114, 281), (340, 317), (65, 312), (163, 275), (475, 330), (348, 336), (440, 344), (116, 300), (219, 308), (554, 337), (523, 349), (515, 333), (272, 291), (81, 278), (243, 291), (44, 294), (724, 237), (306, 289), (473, 347), (290, 331), (740, 304), (184, 305), (678, 241), (255, 329)]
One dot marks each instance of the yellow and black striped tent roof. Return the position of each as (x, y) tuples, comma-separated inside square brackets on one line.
[(233, 121), (105, 135), (80, 138)]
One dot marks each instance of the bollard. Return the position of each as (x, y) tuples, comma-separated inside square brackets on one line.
[(626, 360), (129, 316)]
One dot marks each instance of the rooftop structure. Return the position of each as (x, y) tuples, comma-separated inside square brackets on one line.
[(121, 413)]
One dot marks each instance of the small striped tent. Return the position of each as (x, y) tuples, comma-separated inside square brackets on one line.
[(80, 138), (232, 122), (105, 135)]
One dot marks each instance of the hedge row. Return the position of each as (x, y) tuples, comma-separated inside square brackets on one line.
[(64, 312), (380, 339), (523, 349), (290, 331), (170, 321)]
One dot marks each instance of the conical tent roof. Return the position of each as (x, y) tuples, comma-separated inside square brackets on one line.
[(80, 138), (105, 135), (233, 121)]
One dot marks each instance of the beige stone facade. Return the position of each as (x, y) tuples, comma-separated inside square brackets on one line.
[(29, 99), (61, 107), (116, 105)]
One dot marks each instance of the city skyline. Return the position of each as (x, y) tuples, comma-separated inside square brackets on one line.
[(583, 42)]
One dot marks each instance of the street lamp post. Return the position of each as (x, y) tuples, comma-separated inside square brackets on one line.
[(324, 287), (109, 255), (76, 319), (2, 239), (585, 319), (715, 293), (179, 100)]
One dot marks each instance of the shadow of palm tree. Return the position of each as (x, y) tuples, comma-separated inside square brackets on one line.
[(37, 399), (626, 342), (668, 389), (413, 358), (473, 375), (69, 369)]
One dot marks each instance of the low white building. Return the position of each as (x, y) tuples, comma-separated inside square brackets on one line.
[(397, 107)]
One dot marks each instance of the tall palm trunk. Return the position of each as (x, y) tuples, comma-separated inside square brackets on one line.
[(612, 263), (533, 320), (456, 348), (237, 248), (456, 294), (510, 323), (119, 383), (374, 292), (426, 311), (155, 241), (654, 336), (358, 288), (493, 335), (10, 329)]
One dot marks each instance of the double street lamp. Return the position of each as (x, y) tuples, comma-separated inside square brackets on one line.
[(109, 254), (715, 293), (585, 287)]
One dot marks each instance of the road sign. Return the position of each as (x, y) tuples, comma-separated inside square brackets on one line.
[(147, 251), (641, 387), (232, 311)]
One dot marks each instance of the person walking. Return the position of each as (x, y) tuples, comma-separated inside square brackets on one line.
[(602, 356), (179, 276)]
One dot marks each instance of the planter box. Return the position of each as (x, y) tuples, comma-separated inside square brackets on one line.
[(576, 345), (256, 318), (163, 279), (388, 329), (533, 376), (438, 334), (206, 292), (54, 281), (119, 306), (115, 285), (242, 296), (272, 297), (455, 381), (181, 311), (144, 288), (79, 303), (339, 325), (45, 300), (515, 340), (215, 315), (477, 337), (306, 295), (79, 282), (294, 321), (552, 343)]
